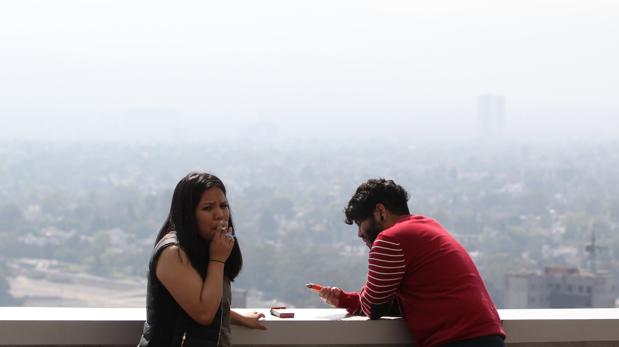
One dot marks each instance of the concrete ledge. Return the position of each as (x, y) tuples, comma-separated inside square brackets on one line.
[(36, 326), (561, 325)]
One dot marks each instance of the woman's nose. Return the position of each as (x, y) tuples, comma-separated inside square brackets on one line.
[(219, 214)]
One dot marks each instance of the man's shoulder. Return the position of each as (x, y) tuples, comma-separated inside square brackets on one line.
[(416, 221), (411, 226)]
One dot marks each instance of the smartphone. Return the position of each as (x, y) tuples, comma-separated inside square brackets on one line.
[(314, 286)]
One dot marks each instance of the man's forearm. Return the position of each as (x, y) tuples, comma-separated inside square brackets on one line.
[(350, 301), (390, 308), (386, 268)]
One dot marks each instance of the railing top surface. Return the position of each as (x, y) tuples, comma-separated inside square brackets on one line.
[(301, 314), (122, 326)]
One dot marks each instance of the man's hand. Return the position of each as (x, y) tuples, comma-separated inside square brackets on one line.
[(330, 295)]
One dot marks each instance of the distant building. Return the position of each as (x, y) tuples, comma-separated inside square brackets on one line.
[(490, 113), (559, 288)]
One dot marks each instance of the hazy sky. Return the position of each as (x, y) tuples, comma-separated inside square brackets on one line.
[(124, 69)]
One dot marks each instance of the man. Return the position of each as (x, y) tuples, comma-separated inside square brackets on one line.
[(417, 268)]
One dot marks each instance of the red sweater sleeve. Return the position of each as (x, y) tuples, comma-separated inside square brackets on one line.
[(386, 267), (350, 301)]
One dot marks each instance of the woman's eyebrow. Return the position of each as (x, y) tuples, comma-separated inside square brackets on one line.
[(213, 202)]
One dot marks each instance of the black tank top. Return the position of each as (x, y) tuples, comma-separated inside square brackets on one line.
[(167, 324)]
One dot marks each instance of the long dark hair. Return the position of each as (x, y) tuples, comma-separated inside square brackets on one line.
[(182, 219)]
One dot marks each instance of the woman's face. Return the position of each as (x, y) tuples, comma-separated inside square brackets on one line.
[(212, 213)]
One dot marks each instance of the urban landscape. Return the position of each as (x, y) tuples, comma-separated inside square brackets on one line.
[(539, 219)]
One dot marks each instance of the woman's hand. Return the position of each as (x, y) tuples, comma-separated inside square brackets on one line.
[(249, 320), (221, 246)]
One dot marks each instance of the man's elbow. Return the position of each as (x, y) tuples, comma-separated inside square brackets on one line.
[(380, 310), (375, 315)]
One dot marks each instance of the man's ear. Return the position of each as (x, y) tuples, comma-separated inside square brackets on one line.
[(380, 212)]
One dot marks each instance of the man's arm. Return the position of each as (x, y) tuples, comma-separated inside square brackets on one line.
[(386, 268), (335, 296), (390, 308), (350, 301)]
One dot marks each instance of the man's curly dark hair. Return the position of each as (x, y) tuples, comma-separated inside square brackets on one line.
[(372, 192)]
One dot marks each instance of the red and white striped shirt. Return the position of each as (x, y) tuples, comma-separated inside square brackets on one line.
[(386, 268), (439, 292)]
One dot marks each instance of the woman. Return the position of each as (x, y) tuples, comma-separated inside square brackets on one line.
[(195, 257)]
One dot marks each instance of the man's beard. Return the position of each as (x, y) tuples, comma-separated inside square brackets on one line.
[(372, 232)]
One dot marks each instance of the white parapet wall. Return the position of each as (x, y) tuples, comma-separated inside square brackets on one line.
[(38, 326)]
